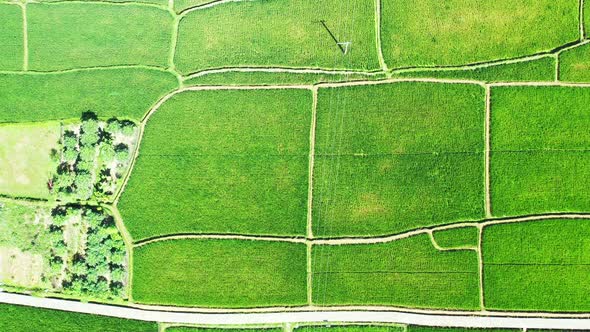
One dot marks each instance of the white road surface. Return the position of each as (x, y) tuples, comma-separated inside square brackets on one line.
[(442, 320)]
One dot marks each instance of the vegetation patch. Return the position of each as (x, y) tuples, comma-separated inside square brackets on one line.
[(455, 32), (404, 273), (574, 64), (25, 158), (539, 150), (94, 158), (74, 35), (537, 266), (65, 249), (293, 36), (222, 162), (262, 78), (109, 92), (17, 318), (207, 329), (538, 70), (349, 328), (415, 328), (11, 39), (220, 273), (457, 238), (387, 162)]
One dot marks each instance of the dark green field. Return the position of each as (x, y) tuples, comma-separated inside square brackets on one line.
[(220, 273)]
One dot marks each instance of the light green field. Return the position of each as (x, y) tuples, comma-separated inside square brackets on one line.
[(260, 78), (180, 5), (405, 273), (349, 328), (11, 38), (109, 92), (542, 69), (386, 162), (220, 273), (537, 266), (278, 33), (25, 158), (74, 35), (163, 3), (539, 150), (16, 318), (454, 32), (574, 64), (464, 237), (235, 162)]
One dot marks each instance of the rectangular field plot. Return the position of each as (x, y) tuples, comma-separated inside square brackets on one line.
[(109, 92), (415, 328), (20, 318), (221, 329), (279, 33), (25, 158), (453, 32), (537, 266), (542, 69), (539, 159), (387, 162), (574, 64), (406, 273), (463, 237), (220, 273), (74, 35), (261, 78), (349, 328), (11, 37), (235, 162)]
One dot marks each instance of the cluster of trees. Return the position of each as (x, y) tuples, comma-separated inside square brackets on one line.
[(97, 270), (91, 160)]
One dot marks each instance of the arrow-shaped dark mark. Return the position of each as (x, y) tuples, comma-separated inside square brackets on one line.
[(333, 37)]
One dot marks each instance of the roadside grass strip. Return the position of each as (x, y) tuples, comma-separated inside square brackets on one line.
[(180, 5), (279, 33), (574, 64), (220, 329), (17, 318), (457, 238), (539, 150), (454, 32), (11, 37), (537, 266), (388, 162), (539, 70), (415, 328), (126, 93), (26, 164), (406, 273), (349, 328), (220, 273), (232, 161), (264, 78), (75, 35)]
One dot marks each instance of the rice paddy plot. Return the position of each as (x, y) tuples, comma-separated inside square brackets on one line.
[(406, 273), (387, 162), (11, 37), (539, 146), (56, 96), (234, 162), (220, 273), (73, 35), (574, 64), (455, 238), (537, 266), (349, 328), (455, 32), (16, 318), (538, 70), (283, 33), (265, 78)]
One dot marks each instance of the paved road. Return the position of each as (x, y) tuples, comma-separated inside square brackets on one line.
[(294, 317)]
